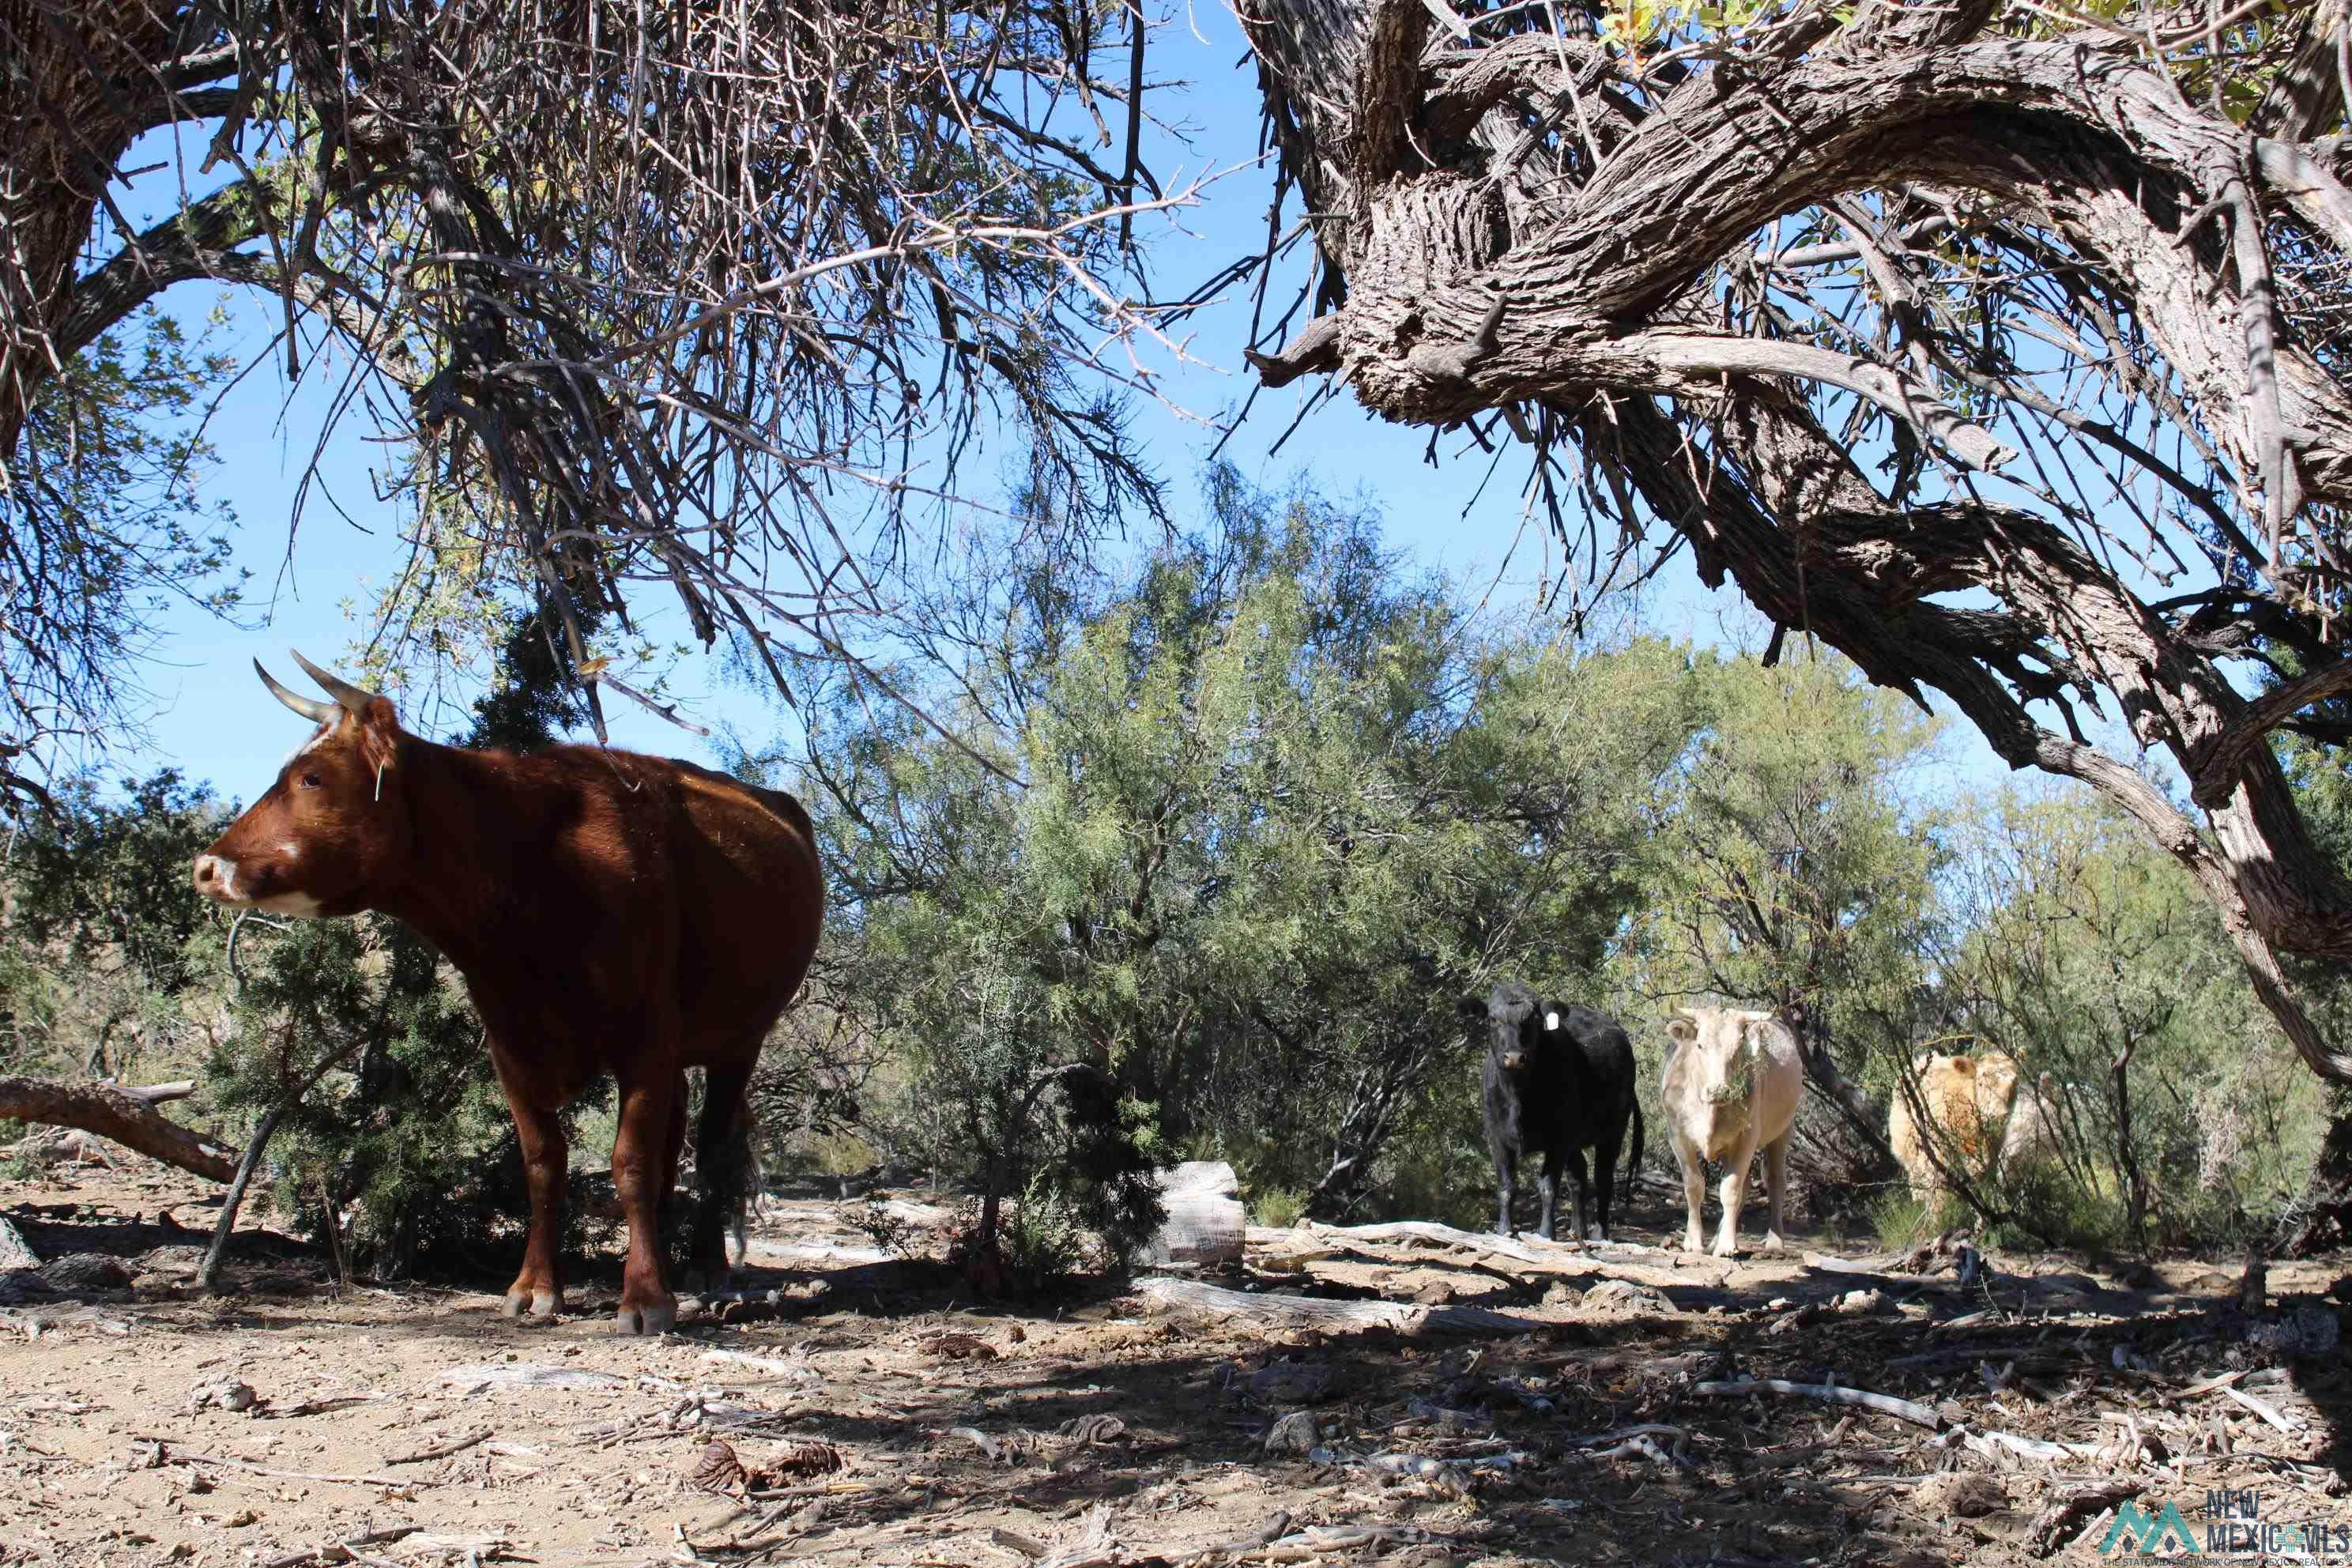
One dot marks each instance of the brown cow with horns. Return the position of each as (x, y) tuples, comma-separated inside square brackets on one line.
[(610, 913)]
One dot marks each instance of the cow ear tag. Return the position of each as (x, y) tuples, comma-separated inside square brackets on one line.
[(1551, 1021)]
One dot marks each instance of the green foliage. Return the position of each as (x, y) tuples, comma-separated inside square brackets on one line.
[(1278, 1207), (98, 876), (106, 529), (1042, 1241), (1794, 866), (2087, 954), (101, 968), (1231, 835)]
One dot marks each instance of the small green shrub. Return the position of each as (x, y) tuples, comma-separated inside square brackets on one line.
[(2053, 1209), (885, 1230), (1278, 1207), (1040, 1240), (1898, 1219)]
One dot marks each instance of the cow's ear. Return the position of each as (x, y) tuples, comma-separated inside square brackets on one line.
[(1681, 1031), (1965, 1065), (381, 738), (1471, 1008)]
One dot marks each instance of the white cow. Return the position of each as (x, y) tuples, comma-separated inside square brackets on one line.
[(1967, 1099), (2033, 1126), (1731, 1084)]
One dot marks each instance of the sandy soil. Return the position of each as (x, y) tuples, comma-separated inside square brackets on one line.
[(868, 1416)]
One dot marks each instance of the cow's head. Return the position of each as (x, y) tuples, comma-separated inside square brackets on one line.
[(1997, 1077), (323, 838), (1515, 1019), (1719, 1049)]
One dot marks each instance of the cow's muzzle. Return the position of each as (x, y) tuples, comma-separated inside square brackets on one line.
[(1515, 1061), (217, 879)]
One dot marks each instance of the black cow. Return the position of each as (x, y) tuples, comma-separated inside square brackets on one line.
[(1559, 1080)]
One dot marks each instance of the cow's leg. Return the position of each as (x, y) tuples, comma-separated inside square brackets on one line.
[(1735, 1193), (1694, 1188), (539, 1131), (1547, 1184), (722, 1160), (1574, 1160), (1776, 1184), (646, 1306), (1506, 1186), (1604, 1188)]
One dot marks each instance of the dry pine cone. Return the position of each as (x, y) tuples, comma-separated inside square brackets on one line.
[(956, 1346), (720, 1471), (809, 1459)]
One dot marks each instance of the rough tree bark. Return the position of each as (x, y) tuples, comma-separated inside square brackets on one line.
[(1523, 225)]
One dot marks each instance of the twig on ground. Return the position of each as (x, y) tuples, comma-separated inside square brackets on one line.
[(1884, 1404), (444, 1452), (2276, 1421), (168, 1455), (323, 1553)]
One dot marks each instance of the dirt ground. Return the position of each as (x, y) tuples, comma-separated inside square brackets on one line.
[(867, 1415)]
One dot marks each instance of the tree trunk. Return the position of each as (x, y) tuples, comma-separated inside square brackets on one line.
[(2322, 1219), (217, 1252), (115, 1113), (2126, 1152), (1382, 1089), (208, 1271), (1822, 1073)]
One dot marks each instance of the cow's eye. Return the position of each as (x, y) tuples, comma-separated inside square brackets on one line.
[(310, 780)]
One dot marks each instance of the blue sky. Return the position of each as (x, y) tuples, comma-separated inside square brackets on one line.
[(213, 722)]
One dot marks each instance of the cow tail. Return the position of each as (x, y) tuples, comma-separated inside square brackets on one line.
[(1633, 1166)]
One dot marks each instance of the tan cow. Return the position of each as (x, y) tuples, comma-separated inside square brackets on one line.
[(2033, 1127), (1966, 1099), (1731, 1087)]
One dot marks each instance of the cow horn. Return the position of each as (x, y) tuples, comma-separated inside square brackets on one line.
[(351, 697), (310, 708)]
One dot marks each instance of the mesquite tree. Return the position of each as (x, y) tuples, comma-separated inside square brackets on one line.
[(699, 299), (2000, 346)]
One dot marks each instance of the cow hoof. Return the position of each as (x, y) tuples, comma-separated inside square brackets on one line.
[(655, 1318), (537, 1303), (1692, 1242), (1724, 1250), (1774, 1244)]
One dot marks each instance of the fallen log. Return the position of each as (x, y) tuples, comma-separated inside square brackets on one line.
[(156, 1093), (1611, 1259), (1205, 1222), (1823, 1263), (1521, 1248), (111, 1112), (14, 1251), (1277, 1312)]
